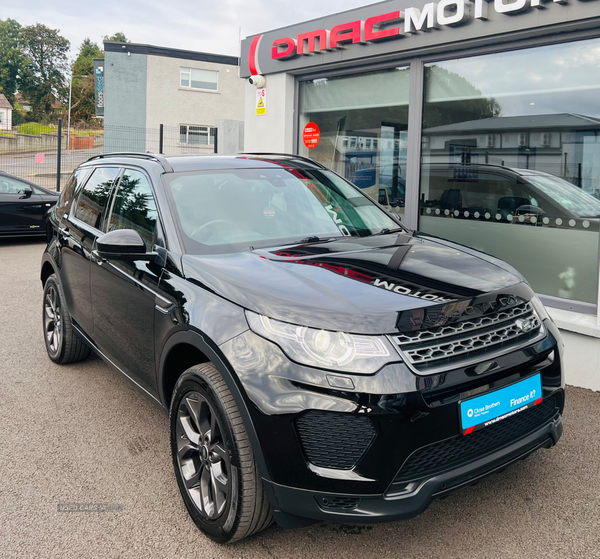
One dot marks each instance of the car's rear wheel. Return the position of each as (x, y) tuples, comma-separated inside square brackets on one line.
[(62, 342), (213, 460)]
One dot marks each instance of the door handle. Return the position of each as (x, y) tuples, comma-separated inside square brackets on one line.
[(64, 231)]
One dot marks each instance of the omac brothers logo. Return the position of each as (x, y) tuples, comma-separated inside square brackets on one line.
[(392, 25)]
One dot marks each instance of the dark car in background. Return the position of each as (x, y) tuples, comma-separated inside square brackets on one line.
[(318, 361), (513, 195), (23, 206)]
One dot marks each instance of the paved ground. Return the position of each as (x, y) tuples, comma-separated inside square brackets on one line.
[(82, 434)]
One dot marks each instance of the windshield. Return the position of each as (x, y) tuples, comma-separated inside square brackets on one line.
[(567, 195), (230, 210)]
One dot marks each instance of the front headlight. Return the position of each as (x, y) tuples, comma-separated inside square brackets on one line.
[(338, 351)]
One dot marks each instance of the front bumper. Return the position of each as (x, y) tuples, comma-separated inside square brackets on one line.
[(407, 412), (294, 505)]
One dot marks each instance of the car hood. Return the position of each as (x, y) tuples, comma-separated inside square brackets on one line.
[(358, 285)]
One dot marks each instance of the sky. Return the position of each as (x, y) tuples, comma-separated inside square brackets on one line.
[(204, 25)]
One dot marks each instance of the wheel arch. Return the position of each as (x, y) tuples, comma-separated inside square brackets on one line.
[(47, 269), (180, 349)]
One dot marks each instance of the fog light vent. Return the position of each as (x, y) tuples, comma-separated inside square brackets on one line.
[(334, 440), (338, 503)]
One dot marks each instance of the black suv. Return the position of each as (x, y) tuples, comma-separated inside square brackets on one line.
[(318, 360)]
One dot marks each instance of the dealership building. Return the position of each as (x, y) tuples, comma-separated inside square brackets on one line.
[(476, 121)]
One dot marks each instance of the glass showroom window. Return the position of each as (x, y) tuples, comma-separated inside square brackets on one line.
[(198, 79), (511, 161), (363, 122)]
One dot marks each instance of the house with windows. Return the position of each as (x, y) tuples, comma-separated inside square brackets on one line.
[(172, 101), (5, 113)]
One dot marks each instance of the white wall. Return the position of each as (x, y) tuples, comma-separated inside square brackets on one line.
[(582, 360), (272, 131), (6, 120), (169, 104)]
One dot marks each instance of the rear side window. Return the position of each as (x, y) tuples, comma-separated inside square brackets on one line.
[(67, 193), (92, 202), (134, 207)]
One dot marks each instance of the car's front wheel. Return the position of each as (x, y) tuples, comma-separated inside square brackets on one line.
[(213, 460)]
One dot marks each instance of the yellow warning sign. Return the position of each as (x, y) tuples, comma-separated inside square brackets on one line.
[(261, 102)]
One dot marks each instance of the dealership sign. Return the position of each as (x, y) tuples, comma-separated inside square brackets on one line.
[(297, 46)]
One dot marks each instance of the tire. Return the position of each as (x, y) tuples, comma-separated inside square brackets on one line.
[(223, 493), (62, 342)]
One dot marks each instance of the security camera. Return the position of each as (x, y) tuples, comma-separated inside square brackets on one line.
[(257, 81)]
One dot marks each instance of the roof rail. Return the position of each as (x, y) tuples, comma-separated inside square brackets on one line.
[(291, 155), (145, 155)]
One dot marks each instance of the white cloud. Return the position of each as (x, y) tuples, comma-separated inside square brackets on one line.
[(208, 26)]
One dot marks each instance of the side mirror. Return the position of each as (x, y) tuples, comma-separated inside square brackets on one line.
[(123, 244), (27, 192), (528, 209)]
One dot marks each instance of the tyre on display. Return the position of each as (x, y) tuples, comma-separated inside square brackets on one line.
[(62, 342), (213, 460)]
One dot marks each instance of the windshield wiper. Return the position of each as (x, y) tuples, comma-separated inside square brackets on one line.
[(311, 239), (387, 231), (314, 239)]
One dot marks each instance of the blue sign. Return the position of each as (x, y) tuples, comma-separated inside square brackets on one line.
[(495, 406)]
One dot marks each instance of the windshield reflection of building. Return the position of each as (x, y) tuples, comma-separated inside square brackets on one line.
[(564, 145)]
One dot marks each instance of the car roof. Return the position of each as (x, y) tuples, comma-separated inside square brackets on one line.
[(487, 167), (176, 164), (30, 183)]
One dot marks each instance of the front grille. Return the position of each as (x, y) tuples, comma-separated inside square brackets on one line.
[(334, 440), (457, 451), (451, 344)]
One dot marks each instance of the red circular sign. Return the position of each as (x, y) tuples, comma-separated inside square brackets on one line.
[(311, 135)]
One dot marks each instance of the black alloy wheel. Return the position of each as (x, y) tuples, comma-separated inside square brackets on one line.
[(213, 459), (62, 342), (202, 455), (52, 320)]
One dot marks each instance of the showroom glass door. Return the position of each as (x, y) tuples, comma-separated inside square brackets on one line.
[(362, 125), (511, 161)]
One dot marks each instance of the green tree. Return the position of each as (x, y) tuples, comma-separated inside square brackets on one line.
[(84, 63), (44, 81), (83, 103), (466, 102), (13, 60), (118, 37)]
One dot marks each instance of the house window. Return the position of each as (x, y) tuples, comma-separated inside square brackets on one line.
[(198, 79), (197, 135)]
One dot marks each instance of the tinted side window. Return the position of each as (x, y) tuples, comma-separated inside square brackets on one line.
[(134, 207), (68, 191), (91, 206)]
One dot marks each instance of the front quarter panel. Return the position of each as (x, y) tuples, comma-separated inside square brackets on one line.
[(188, 306)]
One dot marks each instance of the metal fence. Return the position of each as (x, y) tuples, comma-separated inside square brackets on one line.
[(39, 158)]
